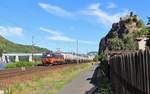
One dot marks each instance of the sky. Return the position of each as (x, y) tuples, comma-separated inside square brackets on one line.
[(59, 24)]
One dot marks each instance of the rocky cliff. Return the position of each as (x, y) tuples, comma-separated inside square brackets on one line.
[(122, 35)]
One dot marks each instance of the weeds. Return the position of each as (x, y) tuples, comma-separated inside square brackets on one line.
[(50, 84), (21, 64)]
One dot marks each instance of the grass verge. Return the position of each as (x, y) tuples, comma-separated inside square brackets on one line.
[(105, 87), (49, 84)]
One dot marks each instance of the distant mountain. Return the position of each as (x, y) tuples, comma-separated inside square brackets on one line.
[(11, 47), (93, 53)]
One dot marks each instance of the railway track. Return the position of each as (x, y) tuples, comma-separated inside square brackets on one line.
[(16, 72), (8, 77), (4, 74)]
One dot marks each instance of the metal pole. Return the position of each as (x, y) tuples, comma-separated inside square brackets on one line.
[(77, 52), (32, 45)]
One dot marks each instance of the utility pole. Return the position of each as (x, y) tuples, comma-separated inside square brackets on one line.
[(32, 46), (77, 51)]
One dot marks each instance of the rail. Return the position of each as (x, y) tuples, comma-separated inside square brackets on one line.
[(13, 76)]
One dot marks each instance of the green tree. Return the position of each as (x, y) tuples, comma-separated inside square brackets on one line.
[(143, 32), (102, 57), (115, 44), (96, 58), (1, 51), (130, 43), (140, 23)]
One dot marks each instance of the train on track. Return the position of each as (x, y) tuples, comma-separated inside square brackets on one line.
[(51, 58)]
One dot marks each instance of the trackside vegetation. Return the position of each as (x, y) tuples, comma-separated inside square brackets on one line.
[(51, 83), (21, 64)]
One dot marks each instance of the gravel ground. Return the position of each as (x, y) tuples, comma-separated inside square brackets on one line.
[(80, 84)]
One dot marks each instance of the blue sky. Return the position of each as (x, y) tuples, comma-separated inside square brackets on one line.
[(60, 23)]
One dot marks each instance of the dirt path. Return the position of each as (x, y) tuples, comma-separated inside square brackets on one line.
[(80, 84)]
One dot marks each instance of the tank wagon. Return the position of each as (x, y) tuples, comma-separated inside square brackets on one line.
[(50, 58)]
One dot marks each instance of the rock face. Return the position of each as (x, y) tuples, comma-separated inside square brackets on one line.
[(122, 32)]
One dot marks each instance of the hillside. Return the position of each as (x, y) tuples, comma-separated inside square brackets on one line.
[(123, 34), (11, 47)]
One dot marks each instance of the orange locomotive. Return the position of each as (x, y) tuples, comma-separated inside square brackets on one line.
[(50, 58)]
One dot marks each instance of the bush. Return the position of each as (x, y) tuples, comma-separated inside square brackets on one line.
[(24, 64), (21, 64), (102, 57), (96, 58), (140, 24), (115, 44), (101, 79), (10, 66), (130, 43), (143, 32)]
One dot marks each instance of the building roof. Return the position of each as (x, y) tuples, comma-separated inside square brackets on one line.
[(142, 38)]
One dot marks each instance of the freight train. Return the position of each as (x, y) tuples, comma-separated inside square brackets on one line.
[(51, 58)]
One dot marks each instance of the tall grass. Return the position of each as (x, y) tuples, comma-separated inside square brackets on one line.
[(49, 84)]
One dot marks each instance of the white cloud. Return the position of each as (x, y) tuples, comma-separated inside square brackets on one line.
[(57, 36), (50, 31), (94, 6), (61, 38), (55, 10), (102, 16), (87, 42), (111, 5), (94, 11), (6, 31)]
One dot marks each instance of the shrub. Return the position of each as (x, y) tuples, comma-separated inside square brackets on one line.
[(96, 58), (140, 24), (24, 64), (10, 66), (130, 43), (21, 64), (115, 44), (102, 57)]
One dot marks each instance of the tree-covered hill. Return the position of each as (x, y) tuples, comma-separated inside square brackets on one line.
[(11, 47)]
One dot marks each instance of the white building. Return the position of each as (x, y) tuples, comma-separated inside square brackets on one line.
[(142, 42)]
